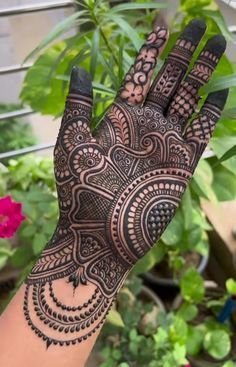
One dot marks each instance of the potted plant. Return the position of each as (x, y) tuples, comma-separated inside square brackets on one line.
[(211, 334), (133, 343)]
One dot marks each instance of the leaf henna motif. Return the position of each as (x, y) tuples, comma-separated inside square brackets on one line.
[(119, 188)]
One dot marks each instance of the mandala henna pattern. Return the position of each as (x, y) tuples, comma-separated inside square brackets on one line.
[(119, 188)]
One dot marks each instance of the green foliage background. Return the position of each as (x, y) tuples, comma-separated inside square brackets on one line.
[(109, 35)]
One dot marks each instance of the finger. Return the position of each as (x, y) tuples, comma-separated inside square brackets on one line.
[(78, 110), (80, 94), (176, 64), (186, 97), (138, 78), (198, 133)]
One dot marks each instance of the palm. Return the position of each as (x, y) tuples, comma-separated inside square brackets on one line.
[(119, 188)]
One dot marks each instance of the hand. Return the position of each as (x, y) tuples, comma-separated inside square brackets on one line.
[(120, 187)]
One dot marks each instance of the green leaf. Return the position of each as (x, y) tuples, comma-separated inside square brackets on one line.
[(174, 231), (160, 337), (202, 247), (136, 6), (194, 235), (121, 59), (186, 206), (179, 354), (28, 230), (38, 195), (229, 364), (49, 227), (229, 113), (39, 243), (129, 31), (178, 330), (5, 247), (116, 354), (42, 88), (221, 146), (115, 318), (60, 28), (108, 67), (21, 256), (133, 334), (203, 178), (103, 89), (154, 256), (226, 127), (192, 286), (218, 83), (199, 218), (3, 260), (221, 176), (217, 343), (37, 86), (231, 286), (94, 52), (187, 311), (195, 339), (219, 20), (188, 5), (230, 153)]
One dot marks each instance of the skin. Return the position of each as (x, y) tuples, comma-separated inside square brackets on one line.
[(118, 189)]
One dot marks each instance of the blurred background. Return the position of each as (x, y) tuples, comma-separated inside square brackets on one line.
[(178, 306)]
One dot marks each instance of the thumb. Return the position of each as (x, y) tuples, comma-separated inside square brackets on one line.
[(79, 101), (80, 83), (77, 115)]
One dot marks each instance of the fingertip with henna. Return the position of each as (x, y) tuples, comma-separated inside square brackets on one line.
[(216, 45), (218, 98), (80, 82), (194, 31)]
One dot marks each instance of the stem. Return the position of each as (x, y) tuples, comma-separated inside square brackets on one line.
[(104, 37), (108, 46)]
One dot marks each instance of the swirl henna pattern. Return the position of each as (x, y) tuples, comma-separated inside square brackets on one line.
[(119, 188)]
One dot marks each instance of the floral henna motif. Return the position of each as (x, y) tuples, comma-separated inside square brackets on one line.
[(138, 79), (117, 190)]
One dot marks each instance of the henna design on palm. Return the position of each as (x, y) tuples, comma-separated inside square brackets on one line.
[(119, 188)]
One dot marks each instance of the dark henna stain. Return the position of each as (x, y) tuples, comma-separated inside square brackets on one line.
[(118, 189)]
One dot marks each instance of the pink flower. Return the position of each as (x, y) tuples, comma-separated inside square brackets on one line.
[(10, 217)]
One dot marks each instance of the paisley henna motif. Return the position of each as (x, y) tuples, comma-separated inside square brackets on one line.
[(119, 188)]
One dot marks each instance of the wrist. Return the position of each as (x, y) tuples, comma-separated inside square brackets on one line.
[(71, 288)]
